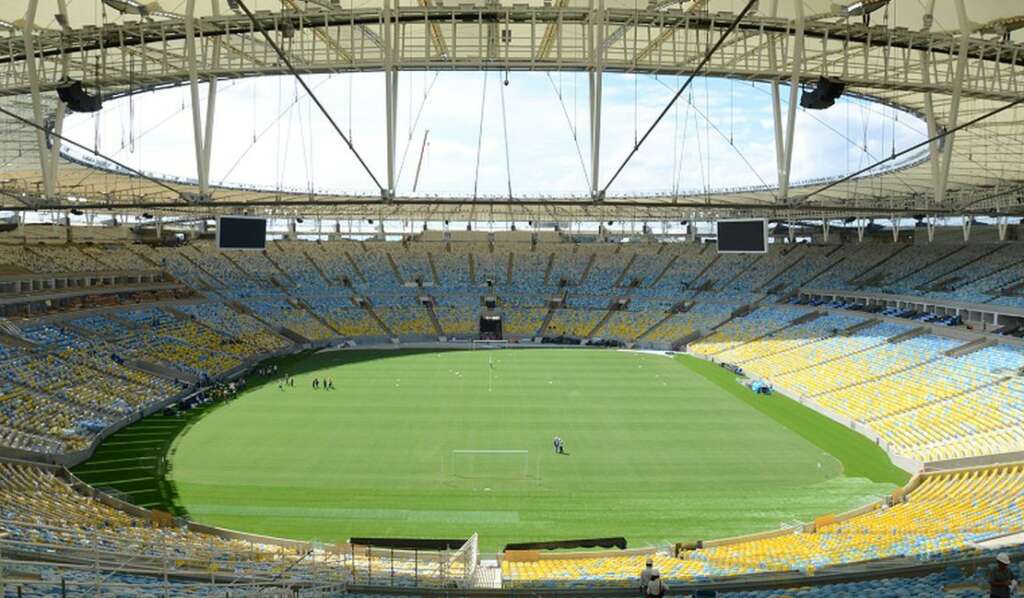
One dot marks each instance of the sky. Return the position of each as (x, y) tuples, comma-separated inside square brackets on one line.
[(269, 134)]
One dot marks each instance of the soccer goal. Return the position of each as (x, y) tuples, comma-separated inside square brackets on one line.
[(495, 464), (490, 344)]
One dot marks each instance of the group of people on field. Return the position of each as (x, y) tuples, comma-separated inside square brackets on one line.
[(288, 381), (327, 384)]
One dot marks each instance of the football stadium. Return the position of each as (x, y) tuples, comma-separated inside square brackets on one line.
[(314, 298)]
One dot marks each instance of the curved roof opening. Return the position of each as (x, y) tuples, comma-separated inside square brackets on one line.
[(471, 134)]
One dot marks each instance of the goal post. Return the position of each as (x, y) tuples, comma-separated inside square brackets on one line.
[(498, 464)]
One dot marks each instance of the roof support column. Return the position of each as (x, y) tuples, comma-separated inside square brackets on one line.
[(58, 129), (934, 148), (390, 49), (954, 103), (211, 99), (596, 77), (202, 160), (784, 147), (37, 101), (58, 125)]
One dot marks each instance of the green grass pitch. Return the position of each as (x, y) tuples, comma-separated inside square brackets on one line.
[(660, 450)]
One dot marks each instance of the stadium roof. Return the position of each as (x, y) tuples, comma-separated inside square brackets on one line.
[(949, 61)]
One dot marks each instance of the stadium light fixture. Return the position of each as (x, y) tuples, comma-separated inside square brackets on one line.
[(862, 7), (134, 7)]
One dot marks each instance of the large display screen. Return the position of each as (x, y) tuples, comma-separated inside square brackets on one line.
[(743, 236), (241, 232)]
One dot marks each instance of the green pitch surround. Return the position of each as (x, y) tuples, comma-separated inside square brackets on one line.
[(659, 450)]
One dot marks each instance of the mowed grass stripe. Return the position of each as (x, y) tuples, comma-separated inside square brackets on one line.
[(657, 450), (127, 443), (152, 489), (859, 455), (94, 462), (118, 469)]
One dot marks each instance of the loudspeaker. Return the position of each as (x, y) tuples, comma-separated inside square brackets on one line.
[(824, 95), (72, 94)]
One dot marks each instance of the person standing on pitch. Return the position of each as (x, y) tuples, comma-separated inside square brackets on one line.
[(558, 444)]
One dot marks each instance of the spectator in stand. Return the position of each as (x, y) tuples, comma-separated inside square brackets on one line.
[(656, 588), (1001, 581), (646, 575)]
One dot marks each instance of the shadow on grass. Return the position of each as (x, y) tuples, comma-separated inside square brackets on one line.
[(135, 463), (859, 456)]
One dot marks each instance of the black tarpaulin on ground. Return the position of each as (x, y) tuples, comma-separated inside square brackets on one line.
[(618, 542), (408, 544)]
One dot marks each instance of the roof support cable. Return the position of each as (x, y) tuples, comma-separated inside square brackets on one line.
[(700, 67), (705, 176), (682, 154), (917, 146), (288, 63), (480, 138), (572, 128), (64, 139), (258, 134), (504, 126), (721, 133), (415, 125)]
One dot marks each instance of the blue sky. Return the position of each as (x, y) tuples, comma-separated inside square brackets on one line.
[(268, 134)]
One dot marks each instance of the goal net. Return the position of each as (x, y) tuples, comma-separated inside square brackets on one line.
[(490, 344), (461, 565), (497, 464)]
